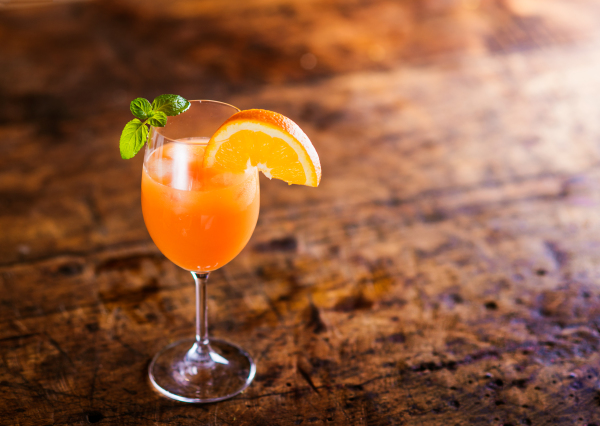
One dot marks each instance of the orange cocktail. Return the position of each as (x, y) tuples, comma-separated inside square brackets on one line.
[(199, 219), (200, 200)]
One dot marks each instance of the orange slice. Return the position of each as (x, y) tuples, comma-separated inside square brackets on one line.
[(267, 140)]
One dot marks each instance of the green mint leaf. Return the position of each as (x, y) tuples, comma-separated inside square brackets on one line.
[(158, 119), (133, 138), (141, 108), (170, 104)]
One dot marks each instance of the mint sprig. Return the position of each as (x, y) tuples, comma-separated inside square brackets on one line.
[(135, 134)]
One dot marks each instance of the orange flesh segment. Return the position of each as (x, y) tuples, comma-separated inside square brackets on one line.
[(267, 140)]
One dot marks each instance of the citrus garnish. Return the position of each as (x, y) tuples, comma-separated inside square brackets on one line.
[(267, 140)]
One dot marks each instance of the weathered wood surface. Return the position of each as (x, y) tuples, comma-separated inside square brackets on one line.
[(446, 272)]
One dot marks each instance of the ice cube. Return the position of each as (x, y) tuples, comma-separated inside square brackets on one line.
[(247, 190), (160, 170)]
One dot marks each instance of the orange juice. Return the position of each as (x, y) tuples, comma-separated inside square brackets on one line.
[(199, 219)]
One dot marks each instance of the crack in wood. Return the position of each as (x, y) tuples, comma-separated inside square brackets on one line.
[(308, 379)]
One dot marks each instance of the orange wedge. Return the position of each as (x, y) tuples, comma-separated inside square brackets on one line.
[(267, 140)]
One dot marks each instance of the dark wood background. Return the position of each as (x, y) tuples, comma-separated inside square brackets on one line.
[(446, 272)]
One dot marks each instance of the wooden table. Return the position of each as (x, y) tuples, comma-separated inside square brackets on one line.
[(446, 271)]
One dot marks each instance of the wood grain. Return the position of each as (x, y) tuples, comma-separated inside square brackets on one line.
[(444, 273)]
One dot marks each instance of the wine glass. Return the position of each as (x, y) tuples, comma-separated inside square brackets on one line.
[(200, 220)]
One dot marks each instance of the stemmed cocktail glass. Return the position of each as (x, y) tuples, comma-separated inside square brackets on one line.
[(200, 220)]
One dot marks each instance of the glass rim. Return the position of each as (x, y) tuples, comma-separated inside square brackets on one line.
[(208, 101)]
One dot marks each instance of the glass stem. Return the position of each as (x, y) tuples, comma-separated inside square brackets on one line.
[(201, 308), (201, 351)]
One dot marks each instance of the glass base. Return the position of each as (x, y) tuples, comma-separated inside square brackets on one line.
[(188, 372)]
